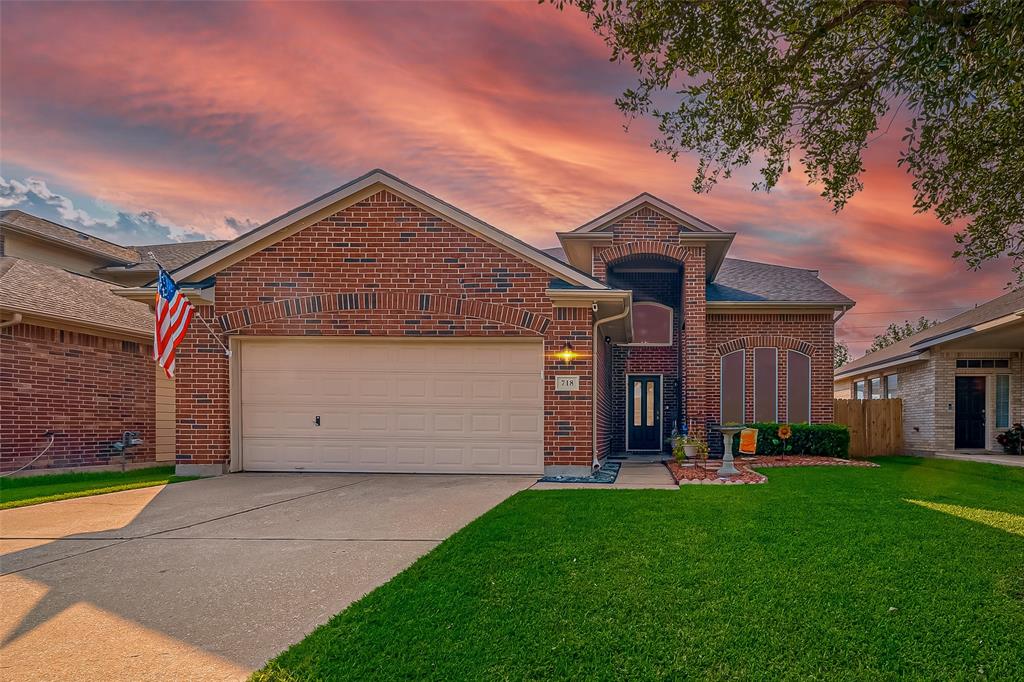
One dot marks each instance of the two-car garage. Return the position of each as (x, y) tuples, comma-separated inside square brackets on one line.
[(383, 405)]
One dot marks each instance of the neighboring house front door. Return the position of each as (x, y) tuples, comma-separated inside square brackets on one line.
[(970, 412), (643, 416)]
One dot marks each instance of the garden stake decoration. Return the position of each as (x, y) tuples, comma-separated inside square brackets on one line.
[(784, 433)]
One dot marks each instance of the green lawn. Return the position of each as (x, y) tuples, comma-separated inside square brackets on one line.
[(23, 491), (822, 573)]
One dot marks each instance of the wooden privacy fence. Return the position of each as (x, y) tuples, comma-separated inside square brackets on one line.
[(876, 426)]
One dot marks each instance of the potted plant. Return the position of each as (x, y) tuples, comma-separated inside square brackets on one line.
[(689, 447)]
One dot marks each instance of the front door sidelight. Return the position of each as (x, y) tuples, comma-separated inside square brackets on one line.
[(643, 412)]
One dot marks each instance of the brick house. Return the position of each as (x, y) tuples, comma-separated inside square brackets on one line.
[(961, 381), (378, 328), (75, 359)]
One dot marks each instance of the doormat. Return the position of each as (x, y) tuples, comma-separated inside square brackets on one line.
[(606, 474)]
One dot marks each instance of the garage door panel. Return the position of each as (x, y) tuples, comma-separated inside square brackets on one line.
[(392, 406)]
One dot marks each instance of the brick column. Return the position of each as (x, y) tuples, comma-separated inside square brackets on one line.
[(695, 341), (202, 399), (568, 415)]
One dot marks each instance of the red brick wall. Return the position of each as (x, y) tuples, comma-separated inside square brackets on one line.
[(88, 389), (607, 433), (809, 333), (405, 272)]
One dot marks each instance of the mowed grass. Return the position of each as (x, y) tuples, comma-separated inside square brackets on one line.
[(822, 573), (26, 490)]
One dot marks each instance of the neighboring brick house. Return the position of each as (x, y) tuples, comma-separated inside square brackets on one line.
[(961, 381), (378, 328), (76, 360)]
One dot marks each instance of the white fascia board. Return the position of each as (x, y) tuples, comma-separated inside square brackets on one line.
[(973, 329), (871, 369), (659, 205)]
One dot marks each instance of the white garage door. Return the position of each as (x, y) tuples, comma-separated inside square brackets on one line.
[(454, 406)]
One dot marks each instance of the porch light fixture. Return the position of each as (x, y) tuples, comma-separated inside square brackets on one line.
[(567, 354)]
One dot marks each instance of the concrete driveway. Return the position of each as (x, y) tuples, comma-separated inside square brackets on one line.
[(208, 579)]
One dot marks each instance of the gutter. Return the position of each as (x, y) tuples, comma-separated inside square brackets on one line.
[(596, 463), (11, 322)]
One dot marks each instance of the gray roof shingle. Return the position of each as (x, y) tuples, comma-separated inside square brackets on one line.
[(171, 256), (30, 288), (918, 343), (744, 281), (747, 281)]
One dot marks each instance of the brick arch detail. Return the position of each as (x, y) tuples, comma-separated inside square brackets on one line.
[(645, 248), (413, 301), (780, 342)]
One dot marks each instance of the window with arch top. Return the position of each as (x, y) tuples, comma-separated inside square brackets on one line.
[(652, 324), (798, 387)]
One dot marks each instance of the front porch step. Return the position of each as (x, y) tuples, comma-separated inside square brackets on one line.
[(630, 457)]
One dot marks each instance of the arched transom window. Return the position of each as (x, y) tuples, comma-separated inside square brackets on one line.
[(652, 324)]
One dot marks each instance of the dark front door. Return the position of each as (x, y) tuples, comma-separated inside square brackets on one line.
[(970, 412), (643, 416)]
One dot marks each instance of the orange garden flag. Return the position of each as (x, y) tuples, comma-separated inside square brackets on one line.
[(748, 442)]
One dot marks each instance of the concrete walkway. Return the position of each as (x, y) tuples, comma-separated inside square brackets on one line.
[(207, 580), (988, 458), (639, 475)]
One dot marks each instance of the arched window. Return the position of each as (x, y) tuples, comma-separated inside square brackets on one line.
[(766, 384), (733, 387), (652, 324), (798, 387)]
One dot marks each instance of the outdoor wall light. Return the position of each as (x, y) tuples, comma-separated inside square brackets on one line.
[(567, 354)]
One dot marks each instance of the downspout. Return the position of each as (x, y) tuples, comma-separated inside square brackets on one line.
[(596, 463), (11, 322)]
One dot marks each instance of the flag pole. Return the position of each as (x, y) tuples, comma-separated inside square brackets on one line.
[(227, 351)]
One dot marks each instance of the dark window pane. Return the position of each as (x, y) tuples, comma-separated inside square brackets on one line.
[(876, 388), (798, 388), (1002, 363), (891, 386), (652, 323), (766, 385), (858, 390), (732, 388)]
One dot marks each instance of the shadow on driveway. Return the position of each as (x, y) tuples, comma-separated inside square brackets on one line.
[(208, 579)]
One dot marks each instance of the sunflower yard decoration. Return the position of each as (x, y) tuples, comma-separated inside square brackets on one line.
[(785, 433)]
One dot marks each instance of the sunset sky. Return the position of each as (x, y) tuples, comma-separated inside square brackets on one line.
[(144, 122)]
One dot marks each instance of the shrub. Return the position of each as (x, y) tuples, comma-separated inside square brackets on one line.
[(826, 440), (1012, 440)]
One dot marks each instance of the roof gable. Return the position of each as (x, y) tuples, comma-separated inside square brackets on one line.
[(52, 232), (688, 222), (353, 192)]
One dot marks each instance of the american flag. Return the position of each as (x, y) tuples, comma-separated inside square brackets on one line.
[(173, 314)]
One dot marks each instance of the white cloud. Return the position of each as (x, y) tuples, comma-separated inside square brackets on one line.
[(33, 195)]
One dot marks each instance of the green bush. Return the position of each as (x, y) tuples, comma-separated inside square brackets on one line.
[(826, 440)]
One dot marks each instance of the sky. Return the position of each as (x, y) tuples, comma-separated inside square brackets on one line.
[(149, 122)]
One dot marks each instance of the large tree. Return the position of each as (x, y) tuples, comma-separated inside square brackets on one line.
[(840, 354), (761, 81), (897, 332)]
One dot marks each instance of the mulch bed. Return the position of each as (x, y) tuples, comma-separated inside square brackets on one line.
[(708, 473)]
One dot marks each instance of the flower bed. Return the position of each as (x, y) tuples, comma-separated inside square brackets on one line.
[(709, 474), (690, 473)]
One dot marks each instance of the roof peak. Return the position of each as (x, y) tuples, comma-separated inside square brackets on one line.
[(670, 211)]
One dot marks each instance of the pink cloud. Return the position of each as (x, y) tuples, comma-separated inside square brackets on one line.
[(200, 111)]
